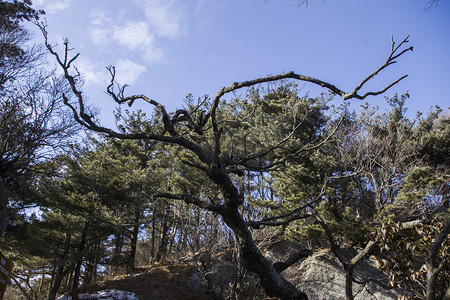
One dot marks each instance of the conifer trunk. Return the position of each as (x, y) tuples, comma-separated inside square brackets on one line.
[(60, 269), (81, 247), (162, 247), (134, 236)]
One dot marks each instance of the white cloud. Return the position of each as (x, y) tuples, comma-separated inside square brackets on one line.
[(133, 35), (167, 17), (160, 19), (100, 29), (100, 35), (92, 73), (52, 6), (128, 71), (99, 17)]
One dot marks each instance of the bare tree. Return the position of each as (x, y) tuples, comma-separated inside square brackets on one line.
[(201, 135), (33, 121)]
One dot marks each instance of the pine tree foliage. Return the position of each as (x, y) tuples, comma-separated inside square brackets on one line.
[(214, 174)]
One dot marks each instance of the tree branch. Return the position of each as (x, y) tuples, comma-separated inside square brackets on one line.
[(190, 200), (351, 267), (279, 220), (291, 75), (393, 55)]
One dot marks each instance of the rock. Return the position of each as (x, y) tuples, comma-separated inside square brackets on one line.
[(216, 281), (281, 251), (196, 282), (321, 276), (219, 281)]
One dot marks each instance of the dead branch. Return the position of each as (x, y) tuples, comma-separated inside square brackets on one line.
[(393, 55), (279, 220), (351, 267), (82, 117)]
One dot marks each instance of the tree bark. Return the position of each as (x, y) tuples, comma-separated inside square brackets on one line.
[(351, 267), (61, 272), (253, 260), (81, 247), (162, 247), (134, 236), (153, 232)]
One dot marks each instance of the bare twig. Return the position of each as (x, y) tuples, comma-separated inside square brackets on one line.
[(393, 55)]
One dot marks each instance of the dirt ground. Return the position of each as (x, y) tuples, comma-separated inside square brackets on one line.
[(153, 283)]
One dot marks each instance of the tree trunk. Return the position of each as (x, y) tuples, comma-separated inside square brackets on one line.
[(252, 259), (134, 236), (351, 267), (81, 247), (162, 247), (69, 277), (273, 283), (41, 283), (153, 232), (117, 249), (60, 272), (172, 238), (97, 259), (92, 262), (21, 288), (52, 279)]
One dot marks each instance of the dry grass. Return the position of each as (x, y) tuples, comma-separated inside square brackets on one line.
[(154, 282)]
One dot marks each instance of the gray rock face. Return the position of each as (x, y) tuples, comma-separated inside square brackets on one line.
[(219, 281), (216, 281), (197, 282), (322, 277)]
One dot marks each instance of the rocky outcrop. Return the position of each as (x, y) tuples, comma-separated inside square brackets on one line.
[(322, 277), (221, 280)]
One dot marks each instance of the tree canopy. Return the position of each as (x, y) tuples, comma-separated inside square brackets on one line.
[(260, 155)]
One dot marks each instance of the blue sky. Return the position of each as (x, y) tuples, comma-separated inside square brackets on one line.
[(169, 48)]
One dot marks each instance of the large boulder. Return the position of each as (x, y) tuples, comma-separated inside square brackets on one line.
[(322, 277)]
